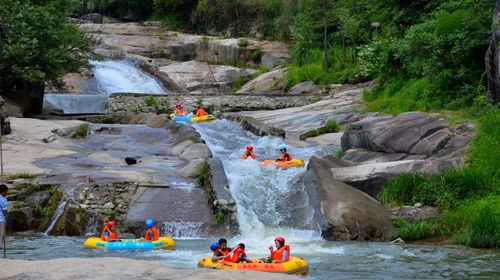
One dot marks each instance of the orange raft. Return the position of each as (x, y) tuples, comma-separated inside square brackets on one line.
[(283, 164), (296, 266)]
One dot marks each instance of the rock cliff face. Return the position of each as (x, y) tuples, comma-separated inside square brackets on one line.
[(380, 147), (344, 212)]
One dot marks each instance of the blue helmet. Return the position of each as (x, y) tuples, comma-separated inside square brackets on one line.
[(214, 246), (282, 148), (150, 223)]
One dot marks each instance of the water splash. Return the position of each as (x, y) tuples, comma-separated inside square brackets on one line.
[(182, 230), (269, 201), (57, 215)]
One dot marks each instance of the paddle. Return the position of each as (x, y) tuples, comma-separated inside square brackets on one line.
[(225, 257)]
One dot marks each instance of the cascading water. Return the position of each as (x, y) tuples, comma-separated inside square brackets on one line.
[(269, 201), (182, 230), (109, 76), (57, 215)]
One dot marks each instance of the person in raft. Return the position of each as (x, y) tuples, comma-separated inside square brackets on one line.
[(285, 156), (200, 112), (239, 254), (249, 153), (282, 252), (222, 251), (109, 232), (178, 111), (151, 233)]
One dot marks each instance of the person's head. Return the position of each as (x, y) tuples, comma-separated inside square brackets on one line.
[(279, 242), (3, 189), (249, 148), (222, 243), (214, 246), (198, 106), (178, 105), (282, 148), (150, 223), (242, 246), (111, 225)]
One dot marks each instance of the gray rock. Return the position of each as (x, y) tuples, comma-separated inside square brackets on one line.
[(266, 83), (178, 149), (109, 205), (304, 88), (196, 151), (191, 169), (347, 213), (272, 60), (38, 198)]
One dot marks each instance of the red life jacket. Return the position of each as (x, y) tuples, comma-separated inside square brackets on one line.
[(112, 234), (154, 230), (248, 154), (286, 156), (236, 255), (278, 254)]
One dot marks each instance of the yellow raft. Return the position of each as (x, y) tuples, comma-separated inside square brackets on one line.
[(283, 164), (189, 119), (166, 243), (295, 266)]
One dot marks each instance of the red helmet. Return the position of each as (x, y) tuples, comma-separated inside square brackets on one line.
[(249, 148), (198, 106), (281, 239), (110, 223), (178, 105)]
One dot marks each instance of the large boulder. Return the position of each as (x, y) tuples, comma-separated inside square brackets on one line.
[(193, 75), (345, 213), (270, 82)]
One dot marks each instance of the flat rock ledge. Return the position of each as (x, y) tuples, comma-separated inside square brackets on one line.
[(117, 268)]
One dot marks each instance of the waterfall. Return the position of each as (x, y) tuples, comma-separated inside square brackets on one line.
[(180, 230), (269, 201), (109, 77), (57, 215)]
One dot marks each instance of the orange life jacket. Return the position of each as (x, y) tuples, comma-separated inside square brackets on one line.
[(112, 234), (278, 254), (179, 112), (201, 112), (236, 255), (154, 230), (248, 154), (224, 252), (286, 156)]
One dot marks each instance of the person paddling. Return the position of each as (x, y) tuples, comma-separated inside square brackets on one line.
[(285, 156), (249, 153), (178, 111), (109, 232), (152, 232), (239, 254), (282, 252)]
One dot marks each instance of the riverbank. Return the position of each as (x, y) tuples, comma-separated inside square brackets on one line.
[(117, 268)]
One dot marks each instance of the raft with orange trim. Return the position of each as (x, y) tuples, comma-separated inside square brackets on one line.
[(295, 265), (166, 243), (283, 164)]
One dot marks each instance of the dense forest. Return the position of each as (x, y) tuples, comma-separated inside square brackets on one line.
[(425, 55)]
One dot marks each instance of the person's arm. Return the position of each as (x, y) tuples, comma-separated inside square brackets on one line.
[(285, 256), (217, 257), (106, 236)]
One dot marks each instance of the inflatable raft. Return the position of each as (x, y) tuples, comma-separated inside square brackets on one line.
[(283, 164), (166, 243), (295, 266), (188, 119)]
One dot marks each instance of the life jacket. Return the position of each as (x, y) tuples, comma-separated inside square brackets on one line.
[(278, 254), (179, 112), (236, 255), (224, 252), (286, 156), (112, 234), (248, 154), (154, 230), (201, 112)]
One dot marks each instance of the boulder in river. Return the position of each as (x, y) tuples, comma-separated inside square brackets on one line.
[(344, 212)]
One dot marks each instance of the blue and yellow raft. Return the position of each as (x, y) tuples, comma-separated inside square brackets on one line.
[(188, 119), (165, 243)]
